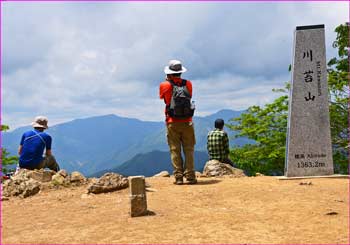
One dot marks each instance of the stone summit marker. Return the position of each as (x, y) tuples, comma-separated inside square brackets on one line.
[(138, 200), (309, 148)]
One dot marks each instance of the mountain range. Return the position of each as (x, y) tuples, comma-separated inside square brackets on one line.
[(151, 163), (94, 144)]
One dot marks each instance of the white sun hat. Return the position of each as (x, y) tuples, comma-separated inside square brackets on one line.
[(40, 122), (174, 67)]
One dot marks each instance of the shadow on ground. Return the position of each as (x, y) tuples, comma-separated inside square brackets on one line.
[(208, 182), (150, 213)]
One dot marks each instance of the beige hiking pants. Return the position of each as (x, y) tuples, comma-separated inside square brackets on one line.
[(180, 135)]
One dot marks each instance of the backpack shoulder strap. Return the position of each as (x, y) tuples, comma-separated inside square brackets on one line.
[(36, 134)]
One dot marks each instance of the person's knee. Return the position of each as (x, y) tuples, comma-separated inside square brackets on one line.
[(49, 158), (51, 163), (189, 148), (175, 148)]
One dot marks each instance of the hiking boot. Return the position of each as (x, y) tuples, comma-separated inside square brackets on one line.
[(192, 181), (178, 181)]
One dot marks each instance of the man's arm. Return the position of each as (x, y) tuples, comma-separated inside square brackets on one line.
[(48, 152), (21, 145), (165, 92), (162, 90), (208, 142), (226, 144), (20, 150), (189, 87)]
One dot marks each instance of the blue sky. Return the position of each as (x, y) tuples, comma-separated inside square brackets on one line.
[(76, 60)]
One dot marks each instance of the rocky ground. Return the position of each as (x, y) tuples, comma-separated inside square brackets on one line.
[(216, 210)]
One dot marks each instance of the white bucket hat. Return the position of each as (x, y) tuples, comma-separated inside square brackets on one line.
[(174, 67), (40, 122)]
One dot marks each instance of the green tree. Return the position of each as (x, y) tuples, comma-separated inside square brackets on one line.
[(267, 125), (6, 159), (338, 85)]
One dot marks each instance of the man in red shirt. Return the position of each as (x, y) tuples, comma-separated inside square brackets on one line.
[(180, 131)]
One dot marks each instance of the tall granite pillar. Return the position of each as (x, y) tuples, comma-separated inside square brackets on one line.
[(309, 148)]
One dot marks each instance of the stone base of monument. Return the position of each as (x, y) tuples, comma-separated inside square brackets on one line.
[(334, 176), (138, 200)]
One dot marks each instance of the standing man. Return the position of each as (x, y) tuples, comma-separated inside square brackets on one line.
[(177, 93), (32, 146), (218, 144)]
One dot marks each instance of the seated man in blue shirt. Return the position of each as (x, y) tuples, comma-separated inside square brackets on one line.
[(32, 146)]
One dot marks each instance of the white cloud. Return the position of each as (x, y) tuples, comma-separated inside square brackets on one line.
[(234, 92), (72, 60)]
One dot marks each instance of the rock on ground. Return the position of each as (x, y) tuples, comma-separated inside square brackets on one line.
[(215, 168), (259, 174), (62, 178), (63, 173), (77, 177), (108, 182), (40, 175), (21, 185), (199, 175), (162, 174), (58, 179)]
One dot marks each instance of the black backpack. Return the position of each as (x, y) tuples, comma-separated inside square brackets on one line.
[(180, 104)]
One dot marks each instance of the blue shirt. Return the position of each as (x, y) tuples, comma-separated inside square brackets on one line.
[(33, 143)]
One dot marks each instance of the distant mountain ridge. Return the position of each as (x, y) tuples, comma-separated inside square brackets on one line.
[(151, 163), (104, 142)]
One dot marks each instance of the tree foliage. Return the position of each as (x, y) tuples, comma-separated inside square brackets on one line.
[(6, 159), (338, 86), (267, 125)]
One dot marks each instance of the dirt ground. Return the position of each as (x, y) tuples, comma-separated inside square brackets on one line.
[(216, 210)]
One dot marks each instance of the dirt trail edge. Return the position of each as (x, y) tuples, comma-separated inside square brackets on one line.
[(216, 210)]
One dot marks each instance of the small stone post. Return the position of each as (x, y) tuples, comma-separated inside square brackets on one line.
[(138, 200)]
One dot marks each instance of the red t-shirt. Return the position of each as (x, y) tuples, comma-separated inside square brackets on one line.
[(165, 92)]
